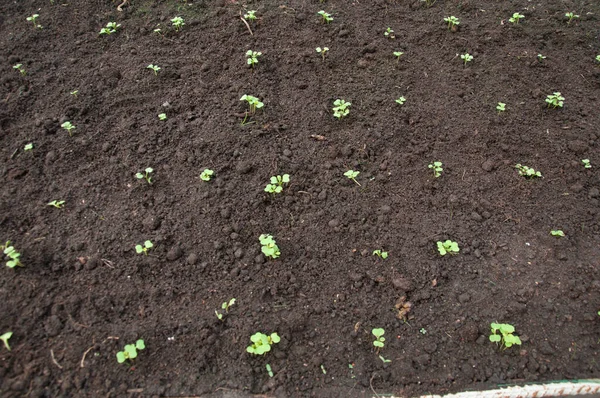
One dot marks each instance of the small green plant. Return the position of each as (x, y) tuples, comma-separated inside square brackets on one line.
[(423, 331), (516, 17), (341, 108), (29, 147), (598, 58), (541, 57), (401, 100), (381, 254), (253, 103), (139, 249), (154, 68), (586, 163), (322, 51), (379, 339), (447, 247), (428, 3), (20, 68), (384, 360), (250, 15), (177, 23), (12, 254), (269, 370), (74, 93), (506, 337), (389, 33), (501, 107), (557, 232), (269, 246), (130, 351), (276, 185), (326, 16), (437, 168), (147, 175), (261, 343), (110, 28), (398, 54), (351, 174), (206, 175), (33, 19), (59, 204), (252, 57), (453, 22), (5, 338), (68, 126), (555, 99), (162, 116), (527, 172), (466, 57), (570, 17), (225, 306)]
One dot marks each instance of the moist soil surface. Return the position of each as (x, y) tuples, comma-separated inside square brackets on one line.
[(83, 292)]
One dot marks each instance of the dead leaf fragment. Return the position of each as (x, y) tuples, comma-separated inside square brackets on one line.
[(318, 137), (403, 308)]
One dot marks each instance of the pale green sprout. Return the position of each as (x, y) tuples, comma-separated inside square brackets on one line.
[(322, 51), (326, 16), (131, 351), (252, 57), (261, 343), (557, 232), (146, 175), (225, 306), (598, 58), (401, 100), (501, 107), (379, 339), (389, 33), (28, 147), (20, 68), (276, 185), (68, 126), (437, 168), (555, 99), (428, 3), (253, 102), (269, 370), (139, 249), (5, 338), (341, 108), (110, 28), (423, 331), (162, 116), (74, 93), (351, 174), (586, 163), (516, 17), (466, 57), (157, 31), (447, 247), (269, 246), (384, 360), (527, 172), (12, 254), (452, 22), (381, 254), (398, 54), (59, 204), (206, 175), (250, 15), (506, 337), (541, 57), (571, 16), (154, 68), (177, 23), (33, 19)]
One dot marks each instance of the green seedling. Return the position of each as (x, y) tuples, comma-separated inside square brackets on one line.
[(326, 16), (20, 68), (398, 54), (453, 22), (501, 107), (586, 163), (177, 23), (323, 369), (341, 108), (379, 339), (130, 351), (33, 19), (111, 28), (269, 246), (225, 306), (269, 370), (250, 15), (5, 338), (423, 331), (59, 204), (541, 57), (261, 343), (155, 68), (276, 185), (381, 254), (74, 93), (555, 99), (598, 58), (68, 126), (516, 17), (139, 249), (12, 254), (466, 57), (253, 103), (447, 247), (570, 17), (252, 57), (389, 33), (437, 168), (428, 3), (527, 172), (506, 337), (322, 51), (401, 100), (557, 232), (29, 147), (146, 175), (158, 31), (384, 360), (206, 175), (351, 174), (162, 116)]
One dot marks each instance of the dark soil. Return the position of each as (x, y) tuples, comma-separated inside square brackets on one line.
[(84, 293)]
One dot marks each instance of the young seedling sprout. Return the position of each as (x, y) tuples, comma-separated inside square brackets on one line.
[(269, 246), (341, 108), (253, 103), (351, 174), (598, 58), (154, 68), (261, 343), (59, 204), (68, 126), (269, 370), (516, 17), (557, 232), (437, 168), (401, 100), (206, 175), (506, 337), (250, 15), (527, 172), (501, 107), (398, 54), (110, 28), (29, 147), (276, 185), (33, 19), (162, 116), (12, 254), (252, 57), (555, 99), (466, 57), (20, 68), (447, 247), (322, 51), (139, 249), (177, 23), (570, 17), (225, 306), (130, 351), (453, 22), (586, 163), (428, 3), (147, 175), (541, 57), (379, 339), (326, 16), (74, 93), (389, 33), (5, 338), (381, 254)]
